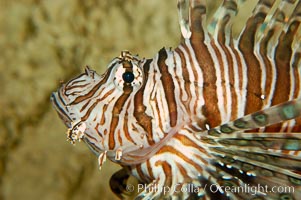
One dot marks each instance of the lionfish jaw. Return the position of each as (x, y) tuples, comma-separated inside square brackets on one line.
[(63, 99), (76, 128), (60, 104), (131, 155)]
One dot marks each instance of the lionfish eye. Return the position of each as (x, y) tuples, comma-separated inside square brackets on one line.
[(128, 77)]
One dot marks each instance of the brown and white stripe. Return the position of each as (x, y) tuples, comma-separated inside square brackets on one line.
[(153, 115)]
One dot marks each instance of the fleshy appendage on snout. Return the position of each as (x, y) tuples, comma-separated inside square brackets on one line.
[(69, 100)]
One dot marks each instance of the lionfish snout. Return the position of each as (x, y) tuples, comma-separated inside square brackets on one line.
[(60, 105), (73, 95)]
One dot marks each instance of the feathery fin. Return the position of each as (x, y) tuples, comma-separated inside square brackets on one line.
[(221, 23), (183, 12), (192, 19), (267, 159), (275, 114)]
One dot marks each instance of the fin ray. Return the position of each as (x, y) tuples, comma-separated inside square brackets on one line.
[(192, 19), (221, 24), (272, 115)]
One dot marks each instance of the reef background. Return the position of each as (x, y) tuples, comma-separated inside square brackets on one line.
[(44, 42)]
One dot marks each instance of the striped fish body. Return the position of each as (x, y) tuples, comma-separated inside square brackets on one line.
[(216, 111)]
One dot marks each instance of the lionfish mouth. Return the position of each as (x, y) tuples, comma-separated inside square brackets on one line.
[(60, 104), (62, 100)]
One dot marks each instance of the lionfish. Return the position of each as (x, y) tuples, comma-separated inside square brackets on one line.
[(216, 112)]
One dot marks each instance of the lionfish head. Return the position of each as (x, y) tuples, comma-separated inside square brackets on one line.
[(91, 105)]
